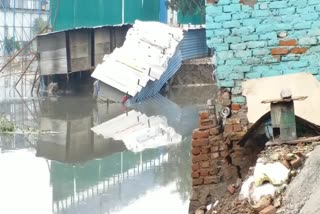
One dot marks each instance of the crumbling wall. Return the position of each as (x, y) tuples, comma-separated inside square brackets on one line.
[(262, 38), (217, 159)]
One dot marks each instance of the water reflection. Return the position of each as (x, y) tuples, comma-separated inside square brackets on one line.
[(129, 166)]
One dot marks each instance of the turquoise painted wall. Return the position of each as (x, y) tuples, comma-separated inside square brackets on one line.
[(247, 44)]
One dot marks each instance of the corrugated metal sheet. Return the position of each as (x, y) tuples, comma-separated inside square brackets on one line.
[(69, 14), (192, 46), (150, 47), (144, 57)]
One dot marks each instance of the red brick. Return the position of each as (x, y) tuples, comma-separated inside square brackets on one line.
[(211, 1), (214, 131), (205, 164), (231, 189), (298, 50), (228, 128), (200, 142), (197, 134), (206, 123), (215, 139), (223, 147), (195, 166), (215, 155), (204, 172), (237, 136), (201, 157), (214, 148), (196, 150), (205, 150), (197, 182), (286, 163), (214, 171), (269, 210), (195, 175), (204, 115), (296, 163), (235, 107), (279, 51), (212, 180), (291, 42), (237, 127), (204, 128), (224, 154)]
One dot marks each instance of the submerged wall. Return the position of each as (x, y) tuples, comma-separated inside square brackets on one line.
[(268, 38)]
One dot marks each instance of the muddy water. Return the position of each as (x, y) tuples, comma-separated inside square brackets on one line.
[(135, 161)]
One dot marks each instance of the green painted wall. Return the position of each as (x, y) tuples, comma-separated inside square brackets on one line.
[(68, 14)]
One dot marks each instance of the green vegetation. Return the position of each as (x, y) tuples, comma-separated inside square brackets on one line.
[(39, 26), (6, 125), (188, 7)]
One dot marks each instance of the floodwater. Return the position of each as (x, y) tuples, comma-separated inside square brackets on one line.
[(93, 157)]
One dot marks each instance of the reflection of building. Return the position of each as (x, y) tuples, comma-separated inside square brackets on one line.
[(74, 141), (101, 185), (139, 132), (19, 20)]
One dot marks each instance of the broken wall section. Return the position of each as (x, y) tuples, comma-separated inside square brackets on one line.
[(270, 38), (217, 159)]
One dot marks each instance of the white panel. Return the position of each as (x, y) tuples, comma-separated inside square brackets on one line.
[(9, 19), (1, 19), (19, 18)]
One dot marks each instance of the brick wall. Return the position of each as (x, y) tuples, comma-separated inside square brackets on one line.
[(247, 42)]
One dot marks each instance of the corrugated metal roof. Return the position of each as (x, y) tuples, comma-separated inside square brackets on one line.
[(151, 55)]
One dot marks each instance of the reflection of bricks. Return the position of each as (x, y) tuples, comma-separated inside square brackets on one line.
[(206, 122), (197, 134), (196, 150), (204, 115), (200, 142), (195, 174), (195, 166), (197, 182)]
